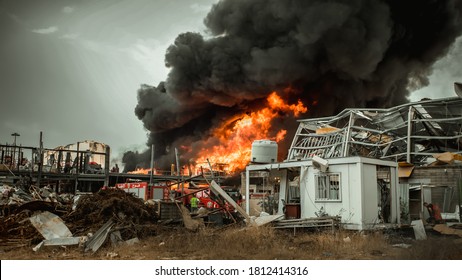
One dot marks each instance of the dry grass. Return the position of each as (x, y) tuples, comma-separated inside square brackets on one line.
[(262, 243)]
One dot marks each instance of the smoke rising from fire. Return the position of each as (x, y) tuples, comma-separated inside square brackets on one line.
[(334, 54)]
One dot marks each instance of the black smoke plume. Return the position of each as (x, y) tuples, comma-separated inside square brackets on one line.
[(340, 53)]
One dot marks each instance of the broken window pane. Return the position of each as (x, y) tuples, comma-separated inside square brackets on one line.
[(327, 186)]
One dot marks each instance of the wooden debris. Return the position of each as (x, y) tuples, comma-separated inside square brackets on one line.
[(444, 229)]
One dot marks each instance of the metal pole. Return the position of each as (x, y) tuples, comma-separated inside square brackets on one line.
[(152, 164), (150, 191), (178, 170), (14, 147), (20, 157), (60, 159), (77, 168), (211, 169), (409, 131), (177, 162), (40, 164), (107, 161)]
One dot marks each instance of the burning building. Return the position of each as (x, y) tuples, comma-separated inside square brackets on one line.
[(264, 64)]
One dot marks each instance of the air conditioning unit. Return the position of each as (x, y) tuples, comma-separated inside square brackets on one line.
[(320, 163)]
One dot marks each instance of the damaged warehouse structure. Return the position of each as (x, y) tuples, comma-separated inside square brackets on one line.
[(370, 167)]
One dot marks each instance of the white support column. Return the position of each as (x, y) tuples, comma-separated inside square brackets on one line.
[(247, 190), (348, 134)]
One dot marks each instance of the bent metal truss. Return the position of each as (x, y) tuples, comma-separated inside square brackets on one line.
[(411, 132)]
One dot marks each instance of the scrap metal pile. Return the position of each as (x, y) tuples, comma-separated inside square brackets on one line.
[(40, 216)]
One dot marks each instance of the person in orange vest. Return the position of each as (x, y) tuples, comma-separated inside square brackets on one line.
[(434, 212)]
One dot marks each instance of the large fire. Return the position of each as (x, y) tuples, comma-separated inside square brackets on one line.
[(229, 148), (237, 134)]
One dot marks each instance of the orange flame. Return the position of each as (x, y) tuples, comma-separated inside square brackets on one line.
[(142, 171), (236, 135)]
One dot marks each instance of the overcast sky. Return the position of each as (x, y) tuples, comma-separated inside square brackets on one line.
[(71, 69)]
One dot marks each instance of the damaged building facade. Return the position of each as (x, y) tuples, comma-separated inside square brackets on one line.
[(370, 167)]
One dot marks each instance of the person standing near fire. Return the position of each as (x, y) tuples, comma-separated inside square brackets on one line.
[(194, 202)]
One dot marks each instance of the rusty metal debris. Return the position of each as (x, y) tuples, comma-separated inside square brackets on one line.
[(50, 225)]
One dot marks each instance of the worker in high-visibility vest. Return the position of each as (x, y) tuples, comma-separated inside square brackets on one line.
[(194, 202)]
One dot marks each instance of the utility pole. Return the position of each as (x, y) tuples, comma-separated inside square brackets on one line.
[(152, 170), (40, 165), (15, 134)]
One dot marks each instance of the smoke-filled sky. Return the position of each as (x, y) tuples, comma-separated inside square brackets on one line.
[(90, 70)]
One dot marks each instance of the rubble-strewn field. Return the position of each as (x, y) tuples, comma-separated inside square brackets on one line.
[(121, 226), (258, 243)]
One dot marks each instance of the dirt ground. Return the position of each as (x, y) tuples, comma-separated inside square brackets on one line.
[(264, 243)]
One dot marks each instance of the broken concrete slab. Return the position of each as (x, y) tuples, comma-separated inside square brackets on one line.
[(419, 230)]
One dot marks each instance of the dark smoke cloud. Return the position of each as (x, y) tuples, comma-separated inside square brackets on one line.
[(349, 53)]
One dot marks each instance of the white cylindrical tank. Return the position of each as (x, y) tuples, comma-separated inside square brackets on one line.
[(264, 151)]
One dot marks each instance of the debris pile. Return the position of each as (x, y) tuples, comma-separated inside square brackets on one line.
[(15, 199), (127, 211), (28, 217)]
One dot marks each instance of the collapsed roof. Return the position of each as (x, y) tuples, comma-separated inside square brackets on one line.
[(411, 132)]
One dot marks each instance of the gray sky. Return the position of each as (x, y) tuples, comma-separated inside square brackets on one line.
[(446, 71), (71, 69)]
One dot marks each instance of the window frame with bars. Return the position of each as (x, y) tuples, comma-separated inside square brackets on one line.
[(328, 191)]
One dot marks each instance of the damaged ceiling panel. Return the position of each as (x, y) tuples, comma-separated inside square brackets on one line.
[(411, 132)]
